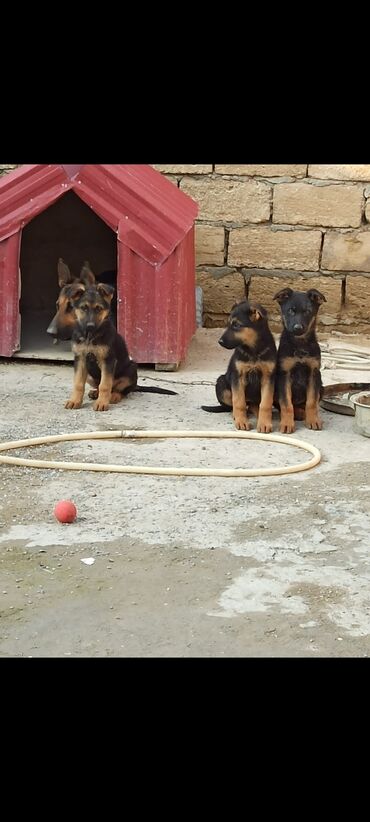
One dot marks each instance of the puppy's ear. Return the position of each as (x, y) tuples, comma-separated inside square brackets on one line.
[(86, 276), (106, 291), (316, 296), (283, 295), (64, 274), (75, 291), (257, 312)]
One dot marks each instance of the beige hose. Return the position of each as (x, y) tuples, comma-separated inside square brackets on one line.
[(341, 355), (182, 472)]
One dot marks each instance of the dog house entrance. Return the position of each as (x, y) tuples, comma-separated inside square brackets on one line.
[(67, 229)]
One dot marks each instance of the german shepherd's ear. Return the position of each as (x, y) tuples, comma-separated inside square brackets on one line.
[(283, 295), (86, 275), (257, 312), (316, 296), (106, 291), (75, 291), (64, 274)]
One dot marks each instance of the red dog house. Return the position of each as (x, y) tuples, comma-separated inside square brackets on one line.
[(126, 219)]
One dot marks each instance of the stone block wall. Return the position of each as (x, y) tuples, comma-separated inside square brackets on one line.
[(264, 226)]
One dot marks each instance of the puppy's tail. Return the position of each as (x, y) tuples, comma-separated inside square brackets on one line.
[(148, 389), (216, 409)]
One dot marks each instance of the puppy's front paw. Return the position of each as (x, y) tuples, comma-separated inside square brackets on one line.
[(73, 403), (115, 397), (314, 422), (264, 424), (101, 405), (287, 427), (241, 423)]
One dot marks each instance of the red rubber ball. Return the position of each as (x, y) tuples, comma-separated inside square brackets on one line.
[(65, 511)]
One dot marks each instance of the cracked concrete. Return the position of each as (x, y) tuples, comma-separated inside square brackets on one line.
[(210, 567)]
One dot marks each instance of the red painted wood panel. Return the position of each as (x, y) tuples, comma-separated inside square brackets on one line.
[(156, 306), (27, 191), (9, 296)]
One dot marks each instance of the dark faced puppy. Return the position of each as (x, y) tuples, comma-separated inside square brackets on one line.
[(63, 322), (249, 380), (298, 379), (101, 355)]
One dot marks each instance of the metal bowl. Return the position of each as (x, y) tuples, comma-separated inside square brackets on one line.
[(361, 402)]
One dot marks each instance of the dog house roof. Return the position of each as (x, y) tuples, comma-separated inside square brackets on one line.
[(149, 214)]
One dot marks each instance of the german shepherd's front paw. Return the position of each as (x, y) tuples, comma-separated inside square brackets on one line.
[(313, 422), (263, 428), (287, 427), (73, 403), (241, 423), (264, 425), (115, 397), (101, 405)]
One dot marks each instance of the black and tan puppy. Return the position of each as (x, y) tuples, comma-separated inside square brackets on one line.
[(101, 357), (249, 380), (62, 325), (298, 379)]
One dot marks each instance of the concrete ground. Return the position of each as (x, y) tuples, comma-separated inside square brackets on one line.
[(182, 567)]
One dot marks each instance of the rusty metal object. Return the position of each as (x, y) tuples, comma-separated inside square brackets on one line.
[(337, 397)]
